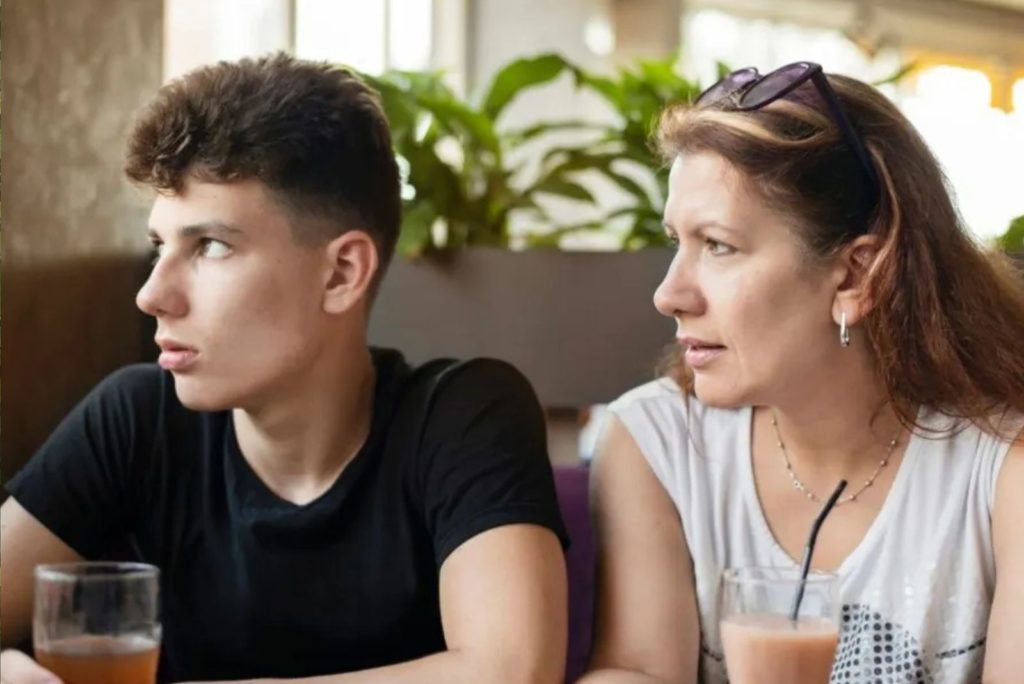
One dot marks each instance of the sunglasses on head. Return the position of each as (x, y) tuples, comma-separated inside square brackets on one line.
[(747, 90)]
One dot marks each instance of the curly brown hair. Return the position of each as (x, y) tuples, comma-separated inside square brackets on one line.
[(947, 327), (312, 133)]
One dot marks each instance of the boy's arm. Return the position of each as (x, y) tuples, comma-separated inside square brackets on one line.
[(24, 543), (503, 607)]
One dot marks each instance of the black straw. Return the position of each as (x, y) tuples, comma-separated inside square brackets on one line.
[(805, 566)]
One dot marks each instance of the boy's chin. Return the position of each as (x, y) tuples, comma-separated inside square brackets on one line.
[(197, 398)]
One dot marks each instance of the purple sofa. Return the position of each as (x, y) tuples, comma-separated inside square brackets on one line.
[(573, 498)]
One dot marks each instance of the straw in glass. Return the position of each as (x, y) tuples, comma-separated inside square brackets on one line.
[(805, 566)]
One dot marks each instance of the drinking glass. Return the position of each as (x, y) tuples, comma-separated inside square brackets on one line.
[(761, 640), (97, 623)]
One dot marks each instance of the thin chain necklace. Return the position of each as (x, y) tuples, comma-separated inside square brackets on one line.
[(800, 486)]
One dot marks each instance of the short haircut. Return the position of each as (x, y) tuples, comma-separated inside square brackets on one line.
[(313, 133)]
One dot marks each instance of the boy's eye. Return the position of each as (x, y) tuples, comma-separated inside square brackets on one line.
[(214, 249)]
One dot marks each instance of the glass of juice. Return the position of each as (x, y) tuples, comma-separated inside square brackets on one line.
[(762, 641), (97, 623)]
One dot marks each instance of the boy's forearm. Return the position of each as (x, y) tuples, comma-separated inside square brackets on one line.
[(449, 666)]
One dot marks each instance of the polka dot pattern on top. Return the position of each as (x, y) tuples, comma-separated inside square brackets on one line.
[(873, 650)]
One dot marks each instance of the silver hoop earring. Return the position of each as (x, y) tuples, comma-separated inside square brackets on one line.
[(844, 332)]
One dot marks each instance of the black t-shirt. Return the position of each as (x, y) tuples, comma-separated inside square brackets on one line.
[(255, 586)]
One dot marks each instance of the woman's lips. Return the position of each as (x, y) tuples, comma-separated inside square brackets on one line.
[(698, 356)]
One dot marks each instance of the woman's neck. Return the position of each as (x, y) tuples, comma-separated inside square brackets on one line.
[(836, 422)]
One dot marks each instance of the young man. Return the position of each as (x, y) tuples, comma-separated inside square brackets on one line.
[(317, 508)]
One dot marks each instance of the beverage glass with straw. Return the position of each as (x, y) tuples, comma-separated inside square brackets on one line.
[(781, 624), (97, 623)]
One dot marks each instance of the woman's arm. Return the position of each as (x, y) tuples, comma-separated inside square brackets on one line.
[(646, 628), (1004, 650)]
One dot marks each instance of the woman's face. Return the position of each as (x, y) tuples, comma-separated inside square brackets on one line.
[(753, 311)]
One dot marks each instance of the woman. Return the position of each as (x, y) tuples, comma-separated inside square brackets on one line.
[(834, 322)]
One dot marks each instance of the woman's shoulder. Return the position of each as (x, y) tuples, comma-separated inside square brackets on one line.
[(1000, 429), (660, 415), (689, 445), (662, 390)]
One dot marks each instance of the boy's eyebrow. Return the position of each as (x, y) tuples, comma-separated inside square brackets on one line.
[(202, 228)]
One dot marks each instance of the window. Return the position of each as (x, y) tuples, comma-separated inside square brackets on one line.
[(369, 36), (1017, 97), (968, 111), (979, 145)]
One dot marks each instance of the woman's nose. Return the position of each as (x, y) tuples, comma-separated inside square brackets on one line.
[(678, 292)]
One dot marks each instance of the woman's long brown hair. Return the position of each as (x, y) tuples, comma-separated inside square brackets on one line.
[(947, 327)]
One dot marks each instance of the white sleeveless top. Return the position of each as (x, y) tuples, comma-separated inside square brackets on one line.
[(917, 589)]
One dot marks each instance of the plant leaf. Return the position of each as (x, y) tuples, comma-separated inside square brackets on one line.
[(415, 237), (521, 135), (457, 118), (898, 75), (605, 87), (518, 76), (1013, 239), (630, 186), (557, 185)]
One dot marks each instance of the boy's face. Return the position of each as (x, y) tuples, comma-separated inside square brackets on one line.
[(238, 302)]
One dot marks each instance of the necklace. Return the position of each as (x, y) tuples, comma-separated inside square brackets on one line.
[(800, 486)]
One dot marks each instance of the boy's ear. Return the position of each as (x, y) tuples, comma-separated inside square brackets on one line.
[(351, 266)]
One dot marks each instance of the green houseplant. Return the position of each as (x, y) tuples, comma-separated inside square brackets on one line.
[(455, 154), (1012, 241), (578, 324)]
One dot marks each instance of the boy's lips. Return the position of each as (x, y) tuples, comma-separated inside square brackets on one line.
[(176, 360), (175, 356)]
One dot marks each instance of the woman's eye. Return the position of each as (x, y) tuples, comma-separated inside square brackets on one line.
[(716, 248), (214, 249), (672, 238), (156, 250)]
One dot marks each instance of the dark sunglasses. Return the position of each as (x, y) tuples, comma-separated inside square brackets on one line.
[(746, 90)]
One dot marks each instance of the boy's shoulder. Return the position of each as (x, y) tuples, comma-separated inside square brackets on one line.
[(470, 383), (450, 378), (136, 384)]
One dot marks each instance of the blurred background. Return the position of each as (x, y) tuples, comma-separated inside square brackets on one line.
[(532, 204)]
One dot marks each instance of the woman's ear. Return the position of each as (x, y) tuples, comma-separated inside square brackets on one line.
[(351, 266), (854, 266)]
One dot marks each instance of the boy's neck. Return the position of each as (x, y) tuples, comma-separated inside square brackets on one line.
[(299, 445)]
